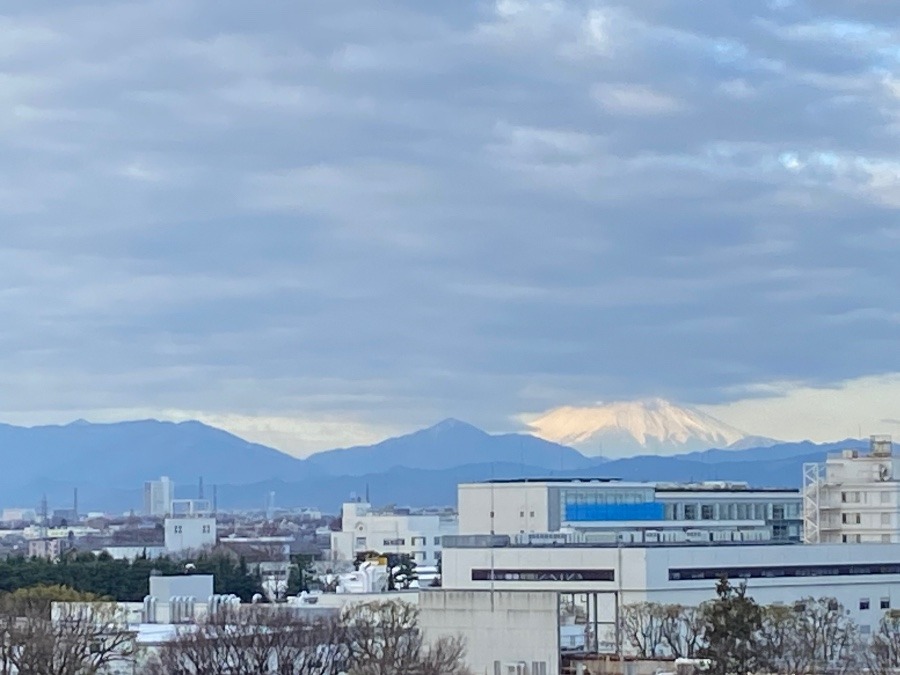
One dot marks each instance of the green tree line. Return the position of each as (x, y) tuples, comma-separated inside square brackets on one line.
[(126, 581)]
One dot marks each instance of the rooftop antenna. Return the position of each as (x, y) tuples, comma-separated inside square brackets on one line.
[(492, 537), (44, 515)]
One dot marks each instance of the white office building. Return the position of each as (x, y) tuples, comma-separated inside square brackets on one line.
[(416, 534), (854, 496), (525, 604), (192, 528), (631, 512), (158, 497)]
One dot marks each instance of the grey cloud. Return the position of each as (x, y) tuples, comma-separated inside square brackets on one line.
[(464, 209)]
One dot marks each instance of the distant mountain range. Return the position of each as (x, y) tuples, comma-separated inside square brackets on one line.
[(109, 463), (653, 426)]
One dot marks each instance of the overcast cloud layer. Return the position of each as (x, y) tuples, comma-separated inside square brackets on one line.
[(361, 217)]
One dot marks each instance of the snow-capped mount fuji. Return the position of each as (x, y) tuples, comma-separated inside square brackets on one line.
[(625, 428)]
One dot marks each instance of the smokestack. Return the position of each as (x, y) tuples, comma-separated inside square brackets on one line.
[(200, 489), (75, 504)]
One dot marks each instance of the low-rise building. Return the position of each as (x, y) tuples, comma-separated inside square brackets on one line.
[(525, 603), (629, 510), (192, 527), (416, 534)]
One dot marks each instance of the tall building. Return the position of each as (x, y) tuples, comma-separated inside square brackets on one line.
[(158, 497), (854, 496)]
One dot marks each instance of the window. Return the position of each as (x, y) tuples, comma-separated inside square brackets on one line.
[(885, 603), (206, 529), (843, 538), (766, 572), (178, 529), (690, 512), (437, 541), (844, 518), (778, 512), (543, 575), (360, 542), (885, 518), (418, 541), (399, 541), (706, 512), (857, 538), (418, 556), (531, 514), (844, 497), (864, 603), (521, 514), (885, 497)]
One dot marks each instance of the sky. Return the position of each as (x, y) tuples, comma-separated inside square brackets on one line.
[(319, 224)]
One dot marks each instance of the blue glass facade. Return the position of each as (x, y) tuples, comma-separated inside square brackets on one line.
[(601, 512)]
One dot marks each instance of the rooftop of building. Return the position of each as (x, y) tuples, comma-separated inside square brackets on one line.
[(504, 541), (705, 486)]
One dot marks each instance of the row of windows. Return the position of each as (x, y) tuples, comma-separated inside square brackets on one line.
[(771, 572), (884, 603), (732, 511), (856, 518), (543, 575), (604, 496), (361, 542), (179, 529), (856, 497)]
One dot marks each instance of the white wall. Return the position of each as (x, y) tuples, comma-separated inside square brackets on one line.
[(189, 534), (419, 536), (508, 627), (642, 574), (516, 507)]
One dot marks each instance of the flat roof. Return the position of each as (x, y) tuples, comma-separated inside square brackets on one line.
[(659, 486), (622, 544), (550, 480)]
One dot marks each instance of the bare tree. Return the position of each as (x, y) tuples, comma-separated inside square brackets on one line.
[(829, 636), (643, 626), (882, 655), (779, 641), (254, 640), (383, 638), (77, 636), (682, 630)]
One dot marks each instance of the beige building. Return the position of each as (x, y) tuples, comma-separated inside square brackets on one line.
[(854, 496)]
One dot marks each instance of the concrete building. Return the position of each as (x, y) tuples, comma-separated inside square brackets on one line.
[(192, 528), (854, 496), (628, 510), (418, 535), (19, 515), (535, 605), (46, 548), (158, 497)]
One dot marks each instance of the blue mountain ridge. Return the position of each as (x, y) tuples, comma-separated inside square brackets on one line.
[(110, 462)]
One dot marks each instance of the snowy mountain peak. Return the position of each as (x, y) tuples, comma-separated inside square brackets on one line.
[(621, 428)]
